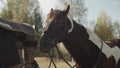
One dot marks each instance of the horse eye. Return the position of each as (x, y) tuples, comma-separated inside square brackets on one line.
[(54, 22)]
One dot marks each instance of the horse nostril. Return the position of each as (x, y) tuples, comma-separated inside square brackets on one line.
[(44, 46), (42, 43)]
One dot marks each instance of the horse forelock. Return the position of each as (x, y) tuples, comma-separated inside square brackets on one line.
[(107, 50), (53, 14)]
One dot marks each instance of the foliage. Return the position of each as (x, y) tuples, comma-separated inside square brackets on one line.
[(78, 10), (103, 27), (116, 29), (21, 11), (24, 11), (38, 21)]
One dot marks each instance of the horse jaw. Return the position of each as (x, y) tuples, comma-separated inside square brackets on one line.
[(45, 45)]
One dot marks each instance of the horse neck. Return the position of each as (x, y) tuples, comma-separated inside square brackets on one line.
[(80, 47)]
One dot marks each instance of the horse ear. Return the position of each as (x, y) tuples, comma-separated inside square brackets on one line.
[(51, 9), (65, 12)]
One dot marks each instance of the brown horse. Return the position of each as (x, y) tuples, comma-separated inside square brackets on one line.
[(8, 52), (85, 47)]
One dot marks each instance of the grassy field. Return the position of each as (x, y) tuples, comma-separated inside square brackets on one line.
[(44, 63)]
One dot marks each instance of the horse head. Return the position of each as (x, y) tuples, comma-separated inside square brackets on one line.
[(56, 29)]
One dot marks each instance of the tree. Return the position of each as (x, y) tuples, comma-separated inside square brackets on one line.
[(116, 29), (78, 10), (21, 11), (103, 27), (24, 11), (38, 22)]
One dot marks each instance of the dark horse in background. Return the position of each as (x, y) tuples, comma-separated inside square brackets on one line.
[(8, 51), (113, 42), (9, 56), (85, 47)]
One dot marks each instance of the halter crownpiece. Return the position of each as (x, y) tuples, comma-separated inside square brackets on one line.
[(72, 26), (70, 18)]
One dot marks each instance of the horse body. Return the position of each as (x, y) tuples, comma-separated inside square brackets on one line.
[(87, 55), (73, 44), (11, 40), (8, 52), (85, 47)]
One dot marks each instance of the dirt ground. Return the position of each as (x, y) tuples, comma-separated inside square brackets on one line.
[(44, 63)]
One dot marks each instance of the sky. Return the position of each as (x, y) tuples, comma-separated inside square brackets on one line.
[(111, 8), (46, 5)]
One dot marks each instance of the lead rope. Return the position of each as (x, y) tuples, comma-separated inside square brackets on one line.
[(98, 60), (52, 61), (64, 58)]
